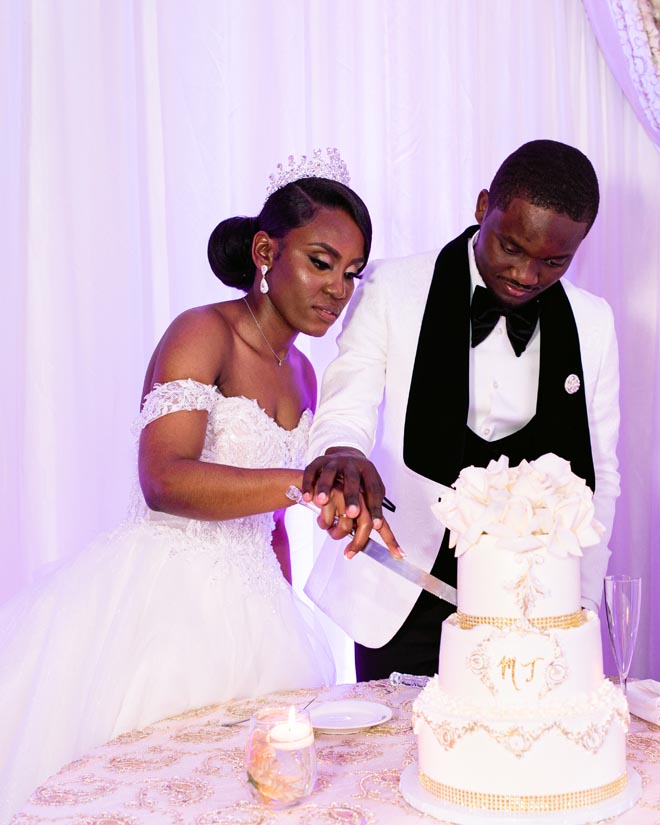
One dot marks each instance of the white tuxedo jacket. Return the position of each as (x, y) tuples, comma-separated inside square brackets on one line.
[(363, 403)]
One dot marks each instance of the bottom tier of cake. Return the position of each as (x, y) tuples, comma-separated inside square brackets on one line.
[(573, 754)]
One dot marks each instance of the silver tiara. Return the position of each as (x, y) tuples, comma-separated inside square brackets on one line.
[(330, 166)]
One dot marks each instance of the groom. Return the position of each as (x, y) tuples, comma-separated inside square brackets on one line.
[(451, 359)]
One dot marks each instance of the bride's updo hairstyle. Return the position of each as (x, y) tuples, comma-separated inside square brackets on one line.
[(292, 206)]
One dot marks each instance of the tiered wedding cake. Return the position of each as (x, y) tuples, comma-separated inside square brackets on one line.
[(520, 717)]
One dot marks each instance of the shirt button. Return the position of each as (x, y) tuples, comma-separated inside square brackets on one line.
[(500, 331), (486, 431), (496, 386)]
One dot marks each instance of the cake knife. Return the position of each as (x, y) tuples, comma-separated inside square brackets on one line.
[(379, 553)]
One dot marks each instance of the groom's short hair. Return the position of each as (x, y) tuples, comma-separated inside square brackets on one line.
[(551, 175)]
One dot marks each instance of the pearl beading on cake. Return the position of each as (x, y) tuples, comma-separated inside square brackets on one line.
[(517, 728), (523, 804), (329, 166), (519, 740)]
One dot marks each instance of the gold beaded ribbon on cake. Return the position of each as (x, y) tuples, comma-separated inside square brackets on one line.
[(514, 803), (568, 620)]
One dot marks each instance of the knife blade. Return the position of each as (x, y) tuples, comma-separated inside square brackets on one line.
[(379, 553), (407, 570)]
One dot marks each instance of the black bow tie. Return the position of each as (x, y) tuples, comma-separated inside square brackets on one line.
[(520, 321)]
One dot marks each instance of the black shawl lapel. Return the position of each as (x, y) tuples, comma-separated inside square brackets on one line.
[(434, 432), (562, 422)]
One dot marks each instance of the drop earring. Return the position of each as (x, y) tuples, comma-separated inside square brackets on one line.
[(263, 286)]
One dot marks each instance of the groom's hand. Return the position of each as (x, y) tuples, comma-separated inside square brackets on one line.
[(348, 470), (349, 490)]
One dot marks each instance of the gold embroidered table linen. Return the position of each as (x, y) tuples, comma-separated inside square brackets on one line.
[(190, 770)]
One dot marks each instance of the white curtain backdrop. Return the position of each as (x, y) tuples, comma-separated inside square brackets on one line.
[(130, 128)]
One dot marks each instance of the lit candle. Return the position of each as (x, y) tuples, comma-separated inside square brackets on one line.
[(293, 734)]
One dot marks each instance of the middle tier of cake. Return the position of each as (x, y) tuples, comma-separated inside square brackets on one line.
[(519, 664)]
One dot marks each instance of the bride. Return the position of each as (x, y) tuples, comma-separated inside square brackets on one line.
[(189, 602)]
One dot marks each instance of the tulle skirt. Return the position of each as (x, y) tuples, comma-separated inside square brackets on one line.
[(132, 631)]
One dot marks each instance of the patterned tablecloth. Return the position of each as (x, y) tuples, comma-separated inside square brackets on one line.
[(190, 770)]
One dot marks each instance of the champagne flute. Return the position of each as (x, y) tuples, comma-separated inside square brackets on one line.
[(623, 596)]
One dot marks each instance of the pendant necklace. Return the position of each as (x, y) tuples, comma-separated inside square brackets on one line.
[(263, 335)]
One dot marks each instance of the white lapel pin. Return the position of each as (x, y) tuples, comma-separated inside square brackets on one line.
[(572, 384)]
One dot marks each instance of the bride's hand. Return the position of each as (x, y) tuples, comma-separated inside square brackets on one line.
[(334, 519), (362, 533)]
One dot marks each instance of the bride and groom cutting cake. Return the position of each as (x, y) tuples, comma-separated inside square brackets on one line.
[(427, 381)]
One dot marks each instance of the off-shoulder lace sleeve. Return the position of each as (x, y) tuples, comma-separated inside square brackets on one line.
[(175, 396)]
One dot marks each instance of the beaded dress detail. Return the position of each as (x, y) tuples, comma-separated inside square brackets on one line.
[(241, 434), (162, 615)]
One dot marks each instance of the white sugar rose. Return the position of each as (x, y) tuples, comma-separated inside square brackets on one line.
[(557, 469), (521, 506)]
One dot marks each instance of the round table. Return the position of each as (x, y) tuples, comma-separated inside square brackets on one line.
[(190, 770)]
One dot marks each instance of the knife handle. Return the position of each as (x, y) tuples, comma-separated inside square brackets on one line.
[(294, 494), (408, 679)]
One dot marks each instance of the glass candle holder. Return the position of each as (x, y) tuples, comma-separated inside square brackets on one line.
[(280, 756)]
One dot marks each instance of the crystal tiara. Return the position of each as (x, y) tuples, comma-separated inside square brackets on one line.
[(330, 166)]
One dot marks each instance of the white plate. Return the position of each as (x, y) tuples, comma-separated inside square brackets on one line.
[(348, 715)]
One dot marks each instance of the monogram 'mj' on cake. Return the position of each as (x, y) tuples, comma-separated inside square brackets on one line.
[(520, 717)]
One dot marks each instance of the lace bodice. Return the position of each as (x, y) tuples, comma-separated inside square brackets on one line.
[(238, 433)]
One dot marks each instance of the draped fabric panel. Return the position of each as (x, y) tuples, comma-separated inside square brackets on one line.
[(628, 33), (131, 128)]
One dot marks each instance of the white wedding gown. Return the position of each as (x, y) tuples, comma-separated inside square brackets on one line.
[(160, 616)]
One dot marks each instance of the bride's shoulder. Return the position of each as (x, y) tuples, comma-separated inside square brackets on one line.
[(199, 322), (195, 344)]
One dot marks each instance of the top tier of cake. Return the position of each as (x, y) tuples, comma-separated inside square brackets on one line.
[(495, 583), (519, 533)]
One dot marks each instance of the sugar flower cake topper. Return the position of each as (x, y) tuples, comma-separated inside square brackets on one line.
[(537, 504)]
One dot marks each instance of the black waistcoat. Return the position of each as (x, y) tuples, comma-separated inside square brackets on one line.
[(435, 430)]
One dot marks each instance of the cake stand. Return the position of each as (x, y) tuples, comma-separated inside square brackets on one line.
[(417, 796)]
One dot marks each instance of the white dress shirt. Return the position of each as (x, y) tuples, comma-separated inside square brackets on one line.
[(503, 387)]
